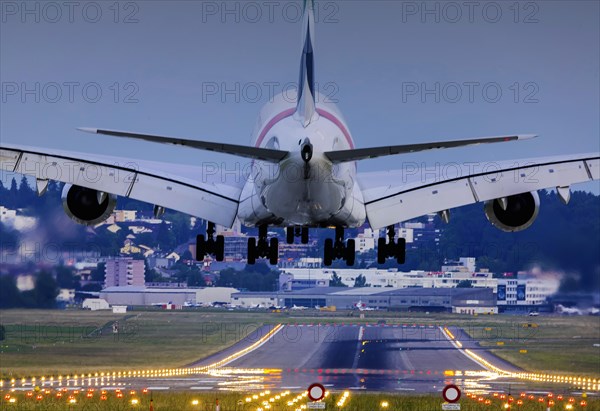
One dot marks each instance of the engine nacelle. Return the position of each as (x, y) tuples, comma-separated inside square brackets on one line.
[(520, 212), (87, 206)]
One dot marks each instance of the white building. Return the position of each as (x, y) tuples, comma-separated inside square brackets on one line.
[(95, 304), (525, 293), (390, 277)]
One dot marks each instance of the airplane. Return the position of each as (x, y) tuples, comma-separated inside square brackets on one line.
[(362, 306), (298, 307), (303, 175)]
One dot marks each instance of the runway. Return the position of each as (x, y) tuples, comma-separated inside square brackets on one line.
[(411, 358), (391, 358)]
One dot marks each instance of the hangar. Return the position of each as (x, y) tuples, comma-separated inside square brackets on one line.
[(459, 300), (140, 295)]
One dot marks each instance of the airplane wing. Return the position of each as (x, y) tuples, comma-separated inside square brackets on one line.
[(356, 154), (201, 191), (396, 196)]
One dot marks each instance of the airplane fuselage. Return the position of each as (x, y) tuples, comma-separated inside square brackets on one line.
[(298, 190)]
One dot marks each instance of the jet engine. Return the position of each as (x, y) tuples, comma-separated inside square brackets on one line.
[(513, 213), (87, 206)]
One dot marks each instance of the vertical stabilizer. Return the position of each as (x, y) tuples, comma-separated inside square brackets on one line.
[(306, 110)]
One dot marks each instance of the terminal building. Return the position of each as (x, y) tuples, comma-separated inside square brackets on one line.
[(458, 300)]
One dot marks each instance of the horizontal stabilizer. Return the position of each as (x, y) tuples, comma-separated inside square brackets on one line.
[(257, 153), (373, 152)]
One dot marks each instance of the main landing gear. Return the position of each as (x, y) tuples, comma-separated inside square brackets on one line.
[(210, 245), (338, 250), (296, 231), (265, 248), (391, 248)]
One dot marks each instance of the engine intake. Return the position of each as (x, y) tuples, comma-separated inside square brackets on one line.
[(87, 206), (520, 212)]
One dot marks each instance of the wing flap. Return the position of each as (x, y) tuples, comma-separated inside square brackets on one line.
[(204, 196), (185, 198), (396, 200), (528, 177), (419, 202)]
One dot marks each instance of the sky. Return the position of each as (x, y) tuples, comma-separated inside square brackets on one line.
[(400, 71)]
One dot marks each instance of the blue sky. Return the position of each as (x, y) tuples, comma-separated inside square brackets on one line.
[(376, 58)]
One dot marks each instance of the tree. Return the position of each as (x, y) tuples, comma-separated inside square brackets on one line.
[(65, 278), (13, 195), (3, 193), (9, 238), (99, 273), (45, 290), (2, 333), (9, 293), (27, 196), (361, 281), (336, 281), (195, 278)]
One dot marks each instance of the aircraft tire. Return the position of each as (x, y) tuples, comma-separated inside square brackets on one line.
[(200, 247), (251, 250)]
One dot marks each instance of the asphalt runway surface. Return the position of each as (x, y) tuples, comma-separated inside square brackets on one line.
[(391, 358)]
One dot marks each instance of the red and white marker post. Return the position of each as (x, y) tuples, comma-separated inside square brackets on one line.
[(451, 394)]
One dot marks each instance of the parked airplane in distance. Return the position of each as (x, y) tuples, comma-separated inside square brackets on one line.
[(304, 175), (362, 306)]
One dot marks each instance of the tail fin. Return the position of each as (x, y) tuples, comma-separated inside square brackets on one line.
[(305, 109)]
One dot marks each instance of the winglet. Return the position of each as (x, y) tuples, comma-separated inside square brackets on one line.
[(526, 136), (88, 130), (306, 106)]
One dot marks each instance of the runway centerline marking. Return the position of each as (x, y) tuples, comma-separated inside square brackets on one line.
[(361, 332)]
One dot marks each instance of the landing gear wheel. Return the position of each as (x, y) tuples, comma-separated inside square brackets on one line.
[(200, 247), (251, 250), (304, 235), (220, 248), (381, 250), (401, 251), (350, 252), (273, 251), (289, 235), (328, 252)]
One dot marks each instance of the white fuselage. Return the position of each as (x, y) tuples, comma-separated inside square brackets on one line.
[(294, 192)]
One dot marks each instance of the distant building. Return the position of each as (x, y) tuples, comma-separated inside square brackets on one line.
[(287, 282), (458, 300), (139, 295), (390, 277), (95, 304), (464, 264), (125, 215), (366, 240), (526, 294), (122, 271)]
